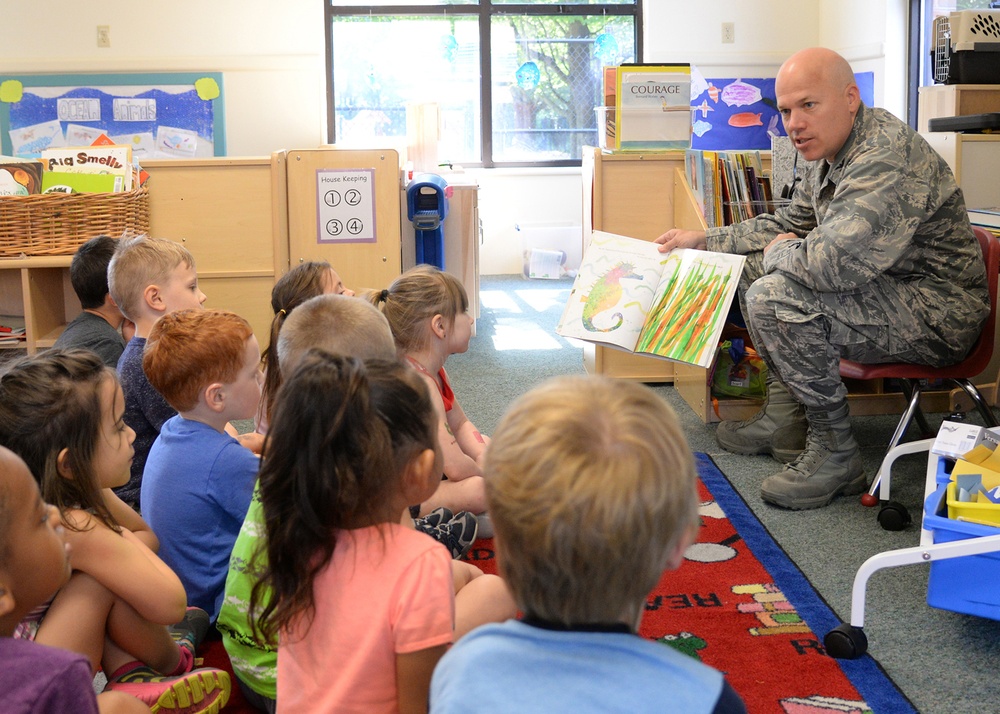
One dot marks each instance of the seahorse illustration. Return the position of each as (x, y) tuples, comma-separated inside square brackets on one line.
[(605, 294)]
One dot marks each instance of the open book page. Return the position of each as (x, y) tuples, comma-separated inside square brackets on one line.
[(685, 320), (613, 290)]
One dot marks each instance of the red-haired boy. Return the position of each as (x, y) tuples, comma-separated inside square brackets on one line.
[(198, 479)]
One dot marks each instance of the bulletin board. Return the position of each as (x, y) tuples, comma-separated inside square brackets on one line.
[(161, 115)]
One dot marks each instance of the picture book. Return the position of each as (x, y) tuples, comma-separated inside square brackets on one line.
[(986, 217), (19, 177), (672, 305), (114, 159), (653, 107), (69, 182)]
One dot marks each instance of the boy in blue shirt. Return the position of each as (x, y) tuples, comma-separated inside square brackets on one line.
[(148, 278), (593, 494), (198, 479)]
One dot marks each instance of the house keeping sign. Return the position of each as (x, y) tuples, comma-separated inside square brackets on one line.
[(345, 205)]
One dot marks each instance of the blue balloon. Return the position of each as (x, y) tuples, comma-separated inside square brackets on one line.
[(606, 48), (449, 46), (528, 75)]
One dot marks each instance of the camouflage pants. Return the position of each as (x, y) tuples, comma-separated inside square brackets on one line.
[(802, 334)]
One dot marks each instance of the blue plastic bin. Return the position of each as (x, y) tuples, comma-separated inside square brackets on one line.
[(968, 584)]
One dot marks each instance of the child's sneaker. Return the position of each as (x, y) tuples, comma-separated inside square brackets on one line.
[(458, 534), (433, 519), (190, 632), (200, 691)]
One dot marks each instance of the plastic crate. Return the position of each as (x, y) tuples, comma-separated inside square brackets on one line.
[(968, 584)]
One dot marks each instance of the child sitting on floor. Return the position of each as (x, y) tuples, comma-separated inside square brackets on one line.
[(148, 278), (351, 327), (593, 493), (198, 479), (427, 310), (304, 281), (34, 563), (364, 605), (99, 326), (62, 412)]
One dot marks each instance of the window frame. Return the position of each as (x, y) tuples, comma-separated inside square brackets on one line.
[(486, 10)]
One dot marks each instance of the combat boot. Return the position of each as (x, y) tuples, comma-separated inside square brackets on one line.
[(829, 466), (778, 429)]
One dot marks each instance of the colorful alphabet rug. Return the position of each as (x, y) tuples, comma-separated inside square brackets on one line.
[(741, 606)]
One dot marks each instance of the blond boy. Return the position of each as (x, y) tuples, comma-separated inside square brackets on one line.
[(199, 480), (592, 491), (147, 278)]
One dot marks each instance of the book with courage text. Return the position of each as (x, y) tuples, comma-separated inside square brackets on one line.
[(629, 296)]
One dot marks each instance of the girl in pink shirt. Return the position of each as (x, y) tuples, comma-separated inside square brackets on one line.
[(363, 607)]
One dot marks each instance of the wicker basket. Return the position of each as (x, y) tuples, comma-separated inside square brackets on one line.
[(57, 224)]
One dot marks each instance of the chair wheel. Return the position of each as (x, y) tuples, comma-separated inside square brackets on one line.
[(893, 516), (869, 500), (846, 642)]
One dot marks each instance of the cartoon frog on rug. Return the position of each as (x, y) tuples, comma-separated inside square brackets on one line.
[(685, 642), (605, 294)]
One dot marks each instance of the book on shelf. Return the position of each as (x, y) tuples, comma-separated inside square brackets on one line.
[(985, 217), (653, 107), (12, 330), (20, 177), (115, 159), (69, 182), (732, 185), (629, 296)]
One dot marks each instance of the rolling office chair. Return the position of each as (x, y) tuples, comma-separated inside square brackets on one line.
[(893, 516)]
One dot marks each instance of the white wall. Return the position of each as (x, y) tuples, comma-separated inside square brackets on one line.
[(273, 61)]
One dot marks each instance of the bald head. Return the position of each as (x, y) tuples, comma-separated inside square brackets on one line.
[(338, 324), (819, 65), (818, 99)]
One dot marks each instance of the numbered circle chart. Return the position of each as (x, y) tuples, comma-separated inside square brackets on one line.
[(345, 205)]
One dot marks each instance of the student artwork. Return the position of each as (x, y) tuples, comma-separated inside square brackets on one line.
[(630, 296), (157, 115)]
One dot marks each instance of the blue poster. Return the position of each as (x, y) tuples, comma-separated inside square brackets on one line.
[(736, 114)]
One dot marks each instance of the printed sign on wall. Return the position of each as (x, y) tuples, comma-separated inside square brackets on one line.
[(345, 204)]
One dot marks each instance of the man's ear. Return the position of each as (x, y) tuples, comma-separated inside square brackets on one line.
[(153, 298), (853, 98), (63, 465), (215, 396)]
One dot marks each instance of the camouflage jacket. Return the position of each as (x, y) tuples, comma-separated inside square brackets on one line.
[(887, 216)]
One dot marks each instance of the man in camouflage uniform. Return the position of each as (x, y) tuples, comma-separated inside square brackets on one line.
[(874, 260)]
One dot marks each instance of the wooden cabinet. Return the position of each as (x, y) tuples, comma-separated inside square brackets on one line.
[(975, 160), (952, 100), (37, 289), (244, 220)]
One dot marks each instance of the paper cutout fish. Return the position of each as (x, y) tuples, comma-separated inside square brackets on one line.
[(700, 127), (704, 108), (745, 119), (740, 93), (605, 294)]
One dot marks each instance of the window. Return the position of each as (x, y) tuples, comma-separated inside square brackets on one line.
[(515, 83)]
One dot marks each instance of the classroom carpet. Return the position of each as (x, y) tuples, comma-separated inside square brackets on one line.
[(740, 605)]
